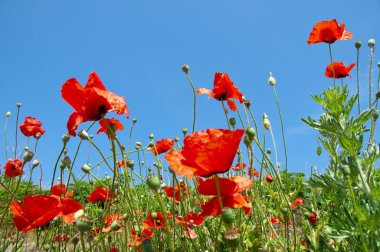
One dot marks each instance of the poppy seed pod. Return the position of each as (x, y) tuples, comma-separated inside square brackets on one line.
[(185, 68), (232, 239), (130, 163), (346, 170), (8, 114), (28, 156), (228, 215), (271, 80), (319, 150), (83, 135), (38, 135), (250, 133), (153, 182), (147, 245), (154, 215), (358, 44), (86, 168), (134, 120), (371, 43), (83, 223)]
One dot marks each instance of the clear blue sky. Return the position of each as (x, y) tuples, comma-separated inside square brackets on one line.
[(138, 47)]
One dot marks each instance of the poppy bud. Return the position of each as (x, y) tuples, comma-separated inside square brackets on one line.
[(46, 247), (66, 161), (26, 148), (228, 215), (116, 225), (375, 114), (151, 136), (134, 120), (28, 155), (130, 163), (269, 151), (358, 44), (250, 133), (371, 43), (232, 239), (147, 245), (247, 141), (8, 114), (83, 223), (65, 138), (185, 68), (232, 121), (151, 144), (268, 178), (266, 122), (378, 92), (176, 139), (35, 163), (83, 135), (138, 145), (18, 104), (65, 151), (38, 135), (184, 131), (271, 80), (313, 218), (319, 150), (86, 168), (247, 103), (154, 215), (153, 182)]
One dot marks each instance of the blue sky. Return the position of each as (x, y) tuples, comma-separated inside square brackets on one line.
[(138, 47)]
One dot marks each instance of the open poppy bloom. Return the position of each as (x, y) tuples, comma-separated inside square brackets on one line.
[(328, 32), (110, 219), (230, 189), (268, 178), (224, 89), (162, 146), (297, 202), (206, 153), (190, 221), (31, 127), (253, 172), (37, 211), (67, 205), (155, 220), (274, 220), (100, 195), (138, 238), (113, 123), (175, 192), (238, 166), (340, 70), (13, 168), (91, 102)]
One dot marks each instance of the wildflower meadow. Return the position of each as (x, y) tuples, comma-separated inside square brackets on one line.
[(212, 189)]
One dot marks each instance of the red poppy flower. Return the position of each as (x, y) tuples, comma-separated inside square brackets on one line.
[(37, 211), (113, 250), (340, 70), (91, 102), (155, 220), (60, 190), (297, 202), (31, 127), (274, 220), (162, 146), (205, 153), (238, 166), (109, 220), (268, 178), (313, 218), (138, 238), (176, 192), (113, 123), (100, 194), (328, 32), (190, 221), (68, 206), (13, 168), (230, 189), (224, 89), (253, 172)]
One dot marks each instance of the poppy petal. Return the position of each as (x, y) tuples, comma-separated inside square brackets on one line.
[(75, 119), (94, 81), (73, 93), (231, 104)]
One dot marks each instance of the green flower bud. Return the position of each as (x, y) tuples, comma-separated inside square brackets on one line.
[(266, 122), (18, 104), (65, 138), (83, 223), (233, 121), (28, 156), (154, 215), (358, 44), (228, 215), (8, 114), (176, 139), (250, 133), (130, 163), (319, 150), (66, 161), (346, 170), (138, 145), (86, 168), (116, 225), (269, 151), (35, 163), (375, 114), (371, 43), (83, 135), (151, 136), (271, 80), (184, 131), (134, 120), (185, 68), (247, 141), (153, 182)]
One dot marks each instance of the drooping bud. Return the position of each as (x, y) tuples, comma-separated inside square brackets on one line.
[(271, 80), (66, 161), (250, 133), (319, 150), (130, 163), (35, 163), (185, 68), (151, 136), (184, 131), (65, 138), (247, 141), (358, 44), (153, 182), (83, 135), (28, 156), (86, 168), (233, 122)]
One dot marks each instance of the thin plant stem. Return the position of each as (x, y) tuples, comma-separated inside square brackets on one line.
[(5, 138), (194, 101), (358, 77), (225, 113), (371, 139), (332, 64), (18, 113)]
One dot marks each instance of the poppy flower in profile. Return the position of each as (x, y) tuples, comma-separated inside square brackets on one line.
[(113, 123), (206, 153), (176, 192), (328, 32), (224, 90), (297, 202), (31, 127), (238, 166), (13, 168), (155, 220), (190, 221), (110, 219), (340, 70), (90, 102), (230, 189), (268, 178), (37, 211), (100, 195), (162, 146), (68, 206), (138, 238), (274, 220), (253, 172), (313, 218)]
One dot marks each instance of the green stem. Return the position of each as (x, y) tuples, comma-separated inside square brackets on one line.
[(332, 64), (194, 101), (225, 113), (5, 138), (18, 113), (357, 77)]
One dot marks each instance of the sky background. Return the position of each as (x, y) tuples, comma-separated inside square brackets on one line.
[(138, 48)]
